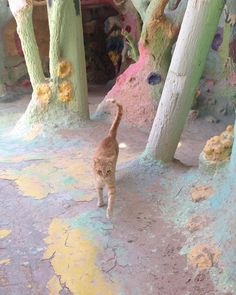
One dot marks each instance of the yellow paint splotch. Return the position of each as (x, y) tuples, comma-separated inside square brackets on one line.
[(32, 181), (4, 233), (76, 168), (54, 286), (31, 186), (73, 258), (37, 180), (55, 175), (4, 261)]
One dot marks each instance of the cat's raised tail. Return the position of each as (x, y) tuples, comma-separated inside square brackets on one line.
[(113, 130)]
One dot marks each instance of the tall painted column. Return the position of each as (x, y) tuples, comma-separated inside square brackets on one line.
[(197, 31), (2, 66), (5, 16), (73, 50), (25, 30)]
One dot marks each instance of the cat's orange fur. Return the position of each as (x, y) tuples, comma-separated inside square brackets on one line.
[(104, 163)]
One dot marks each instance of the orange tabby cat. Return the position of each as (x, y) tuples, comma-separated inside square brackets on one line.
[(104, 163)]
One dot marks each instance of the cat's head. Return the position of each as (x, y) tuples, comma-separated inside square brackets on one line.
[(104, 166)]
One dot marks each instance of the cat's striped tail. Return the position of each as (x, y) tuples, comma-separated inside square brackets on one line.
[(113, 130)]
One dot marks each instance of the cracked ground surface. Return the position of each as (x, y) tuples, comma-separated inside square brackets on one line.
[(53, 238)]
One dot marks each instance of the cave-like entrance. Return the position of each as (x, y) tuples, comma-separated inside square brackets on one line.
[(103, 42)]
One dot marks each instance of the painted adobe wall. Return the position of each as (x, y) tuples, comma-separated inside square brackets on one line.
[(11, 39), (14, 55)]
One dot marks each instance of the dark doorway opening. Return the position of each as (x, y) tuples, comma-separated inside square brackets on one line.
[(101, 27)]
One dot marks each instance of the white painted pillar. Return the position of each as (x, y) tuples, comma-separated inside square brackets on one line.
[(192, 47)]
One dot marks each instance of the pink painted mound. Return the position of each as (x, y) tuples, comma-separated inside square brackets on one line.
[(134, 93)]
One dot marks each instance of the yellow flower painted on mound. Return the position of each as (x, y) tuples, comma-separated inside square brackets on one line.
[(65, 91), (219, 148), (203, 256), (43, 93), (73, 259), (64, 69)]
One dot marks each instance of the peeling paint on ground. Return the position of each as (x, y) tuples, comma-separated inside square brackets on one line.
[(41, 179), (73, 258), (54, 286)]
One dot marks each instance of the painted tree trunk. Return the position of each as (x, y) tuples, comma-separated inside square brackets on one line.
[(55, 14), (217, 86), (139, 87), (2, 67), (5, 16), (73, 50), (193, 44), (61, 100), (218, 82), (26, 33)]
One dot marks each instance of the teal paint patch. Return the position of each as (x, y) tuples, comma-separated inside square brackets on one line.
[(223, 228), (92, 222), (69, 181), (220, 209), (122, 256)]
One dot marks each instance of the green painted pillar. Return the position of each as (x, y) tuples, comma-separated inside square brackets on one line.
[(26, 33), (72, 49), (5, 16), (2, 67)]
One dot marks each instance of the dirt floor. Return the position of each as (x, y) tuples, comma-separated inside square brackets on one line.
[(53, 238)]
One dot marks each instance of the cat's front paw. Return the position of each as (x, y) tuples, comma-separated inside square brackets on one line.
[(100, 204), (109, 214)]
